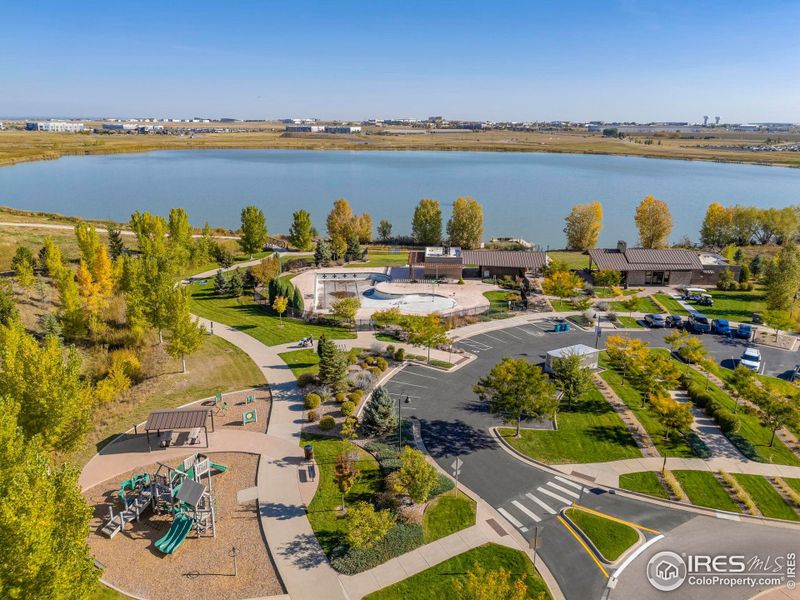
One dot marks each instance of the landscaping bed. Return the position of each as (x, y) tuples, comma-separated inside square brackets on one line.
[(447, 514), (610, 538), (644, 482), (767, 499), (703, 489)]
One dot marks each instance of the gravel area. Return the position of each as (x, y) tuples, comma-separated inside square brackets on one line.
[(200, 568), (237, 406)]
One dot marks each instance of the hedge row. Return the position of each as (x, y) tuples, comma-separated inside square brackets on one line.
[(402, 538)]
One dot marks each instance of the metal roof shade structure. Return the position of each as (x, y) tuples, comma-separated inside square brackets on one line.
[(188, 418)]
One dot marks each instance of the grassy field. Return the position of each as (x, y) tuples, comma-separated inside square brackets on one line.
[(306, 360), (645, 482), (326, 519), (703, 489), (106, 593), (573, 259), (497, 301), (216, 367), (591, 432), (643, 304), (257, 321), (447, 514), (793, 483), (630, 322), (562, 305), (734, 306), (606, 292), (380, 259), (766, 497), (609, 537), (436, 583), (671, 304)]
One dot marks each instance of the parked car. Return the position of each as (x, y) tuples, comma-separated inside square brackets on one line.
[(699, 323), (655, 320), (751, 359), (675, 321), (706, 300), (758, 319), (721, 326), (744, 331)]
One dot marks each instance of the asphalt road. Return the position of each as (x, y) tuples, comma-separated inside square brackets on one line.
[(455, 423)]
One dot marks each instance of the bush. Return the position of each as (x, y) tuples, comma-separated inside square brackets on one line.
[(306, 379), (327, 423), (312, 401), (445, 484), (348, 408), (376, 372), (387, 456), (401, 538), (697, 445), (400, 355), (363, 364), (712, 408), (312, 416), (355, 396), (390, 350), (341, 397), (726, 420), (370, 360), (381, 363)]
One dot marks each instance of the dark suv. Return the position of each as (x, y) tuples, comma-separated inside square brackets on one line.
[(699, 323)]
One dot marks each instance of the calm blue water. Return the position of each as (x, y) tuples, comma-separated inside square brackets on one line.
[(524, 195)]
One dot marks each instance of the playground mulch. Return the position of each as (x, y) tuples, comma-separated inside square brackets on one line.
[(237, 405), (200, 568)]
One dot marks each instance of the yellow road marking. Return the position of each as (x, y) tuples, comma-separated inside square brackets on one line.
[(582, 543), (610, 518)]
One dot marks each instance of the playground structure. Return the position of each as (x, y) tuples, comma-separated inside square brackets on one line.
[(178, 491)]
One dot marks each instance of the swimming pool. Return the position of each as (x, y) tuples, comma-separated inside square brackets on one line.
[(422, 304)]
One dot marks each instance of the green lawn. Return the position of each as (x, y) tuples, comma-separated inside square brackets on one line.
[(766, 497), (326, 520), (672, 305), (591, 432), (436, 583), (645, 482), (643, 304), (307, 360), (497, 300), (562, 305), (255, 320), (381, 260), (447, 514), (630, 322), (793, 483), (609, 537), (676, 445), (703, 489), (574, 259), (106, 593), (731, 305), (213, 265), (607, 292)]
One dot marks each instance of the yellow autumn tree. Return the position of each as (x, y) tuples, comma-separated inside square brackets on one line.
[(102, 273), (654, 222), (584, 223)]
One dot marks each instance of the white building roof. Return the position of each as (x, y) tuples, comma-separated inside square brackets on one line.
[(577, 349)]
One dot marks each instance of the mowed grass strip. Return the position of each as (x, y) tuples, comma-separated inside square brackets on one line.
[(447, 514), (630, 322), (256, 320), (381, 259), (703, 489), (590, 432), (327, 521), (767, 498), (609, 537), (436, 583), (573, 259), (671, 304), (643, 304), (644, 482)]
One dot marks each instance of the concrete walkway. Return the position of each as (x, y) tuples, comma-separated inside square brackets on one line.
[(707, 430)]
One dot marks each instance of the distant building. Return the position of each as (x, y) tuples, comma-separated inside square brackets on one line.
[(55, 126), (120, 126), (343, 129), (305, 128), (452, 263)]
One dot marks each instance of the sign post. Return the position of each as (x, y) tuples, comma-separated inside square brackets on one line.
[(456, 467)]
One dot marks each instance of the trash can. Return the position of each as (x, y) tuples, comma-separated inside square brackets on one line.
[(309, 451)]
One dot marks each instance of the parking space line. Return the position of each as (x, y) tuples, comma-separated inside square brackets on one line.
[(406, 371), (562, 489), (525, 510), (507, 332), (512, 519), (553, 495), (410, 384), (399, 395), (496, 339), (541, 503)]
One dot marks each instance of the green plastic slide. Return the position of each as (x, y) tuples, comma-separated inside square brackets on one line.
[(181, 526), (214, 466)]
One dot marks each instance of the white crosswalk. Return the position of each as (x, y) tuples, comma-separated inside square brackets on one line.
[(541, 502)]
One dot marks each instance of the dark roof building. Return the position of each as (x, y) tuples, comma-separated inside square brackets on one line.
[(454, 262)]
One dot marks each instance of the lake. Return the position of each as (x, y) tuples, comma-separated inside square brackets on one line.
[(523, 194)]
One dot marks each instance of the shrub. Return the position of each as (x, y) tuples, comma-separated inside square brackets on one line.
[(306, 379), (341, 397), (352, 359), (445, 484), (390, 350), (355, 396), (363, 364), (348, 408), (381, 363), (673, 485), (376, 372), (312, 401), (401, 538), (370, 360), (712, 408), (312, 416), (727, 421), (400, 355), (387, 456), (327, 423)]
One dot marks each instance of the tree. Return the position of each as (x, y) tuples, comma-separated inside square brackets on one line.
[(23, 255), (332, 365), (150, 233), (340, 220), (280, 305), (338, 248), (465, 227), (625, 354), (185, 333), (630, 304), (416, 477), (43, 520), (367, 526), (353, 247), (268, 269), (322, 254), (384, 230), (116, 247), (362, 227), (717, 227), (102, 273), (236, 284), (776, 411), (380, 414), (8, 308), (654, 222), (346, 308), (583, 227), (779, 320), (24, 274), (428, 331), (345, 474), (672, 415), (224, 256), (220, 283), (562, 284), (783, 279), (180, 235), (88, 242), (253, 235), (517, 390), (300, 230), (483, 584), (572, 379), (426, 226), (607, 278)]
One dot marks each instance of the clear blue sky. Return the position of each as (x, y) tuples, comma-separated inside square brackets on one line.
[(661, 60)]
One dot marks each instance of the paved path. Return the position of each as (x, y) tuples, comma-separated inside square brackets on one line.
[(707, 430)]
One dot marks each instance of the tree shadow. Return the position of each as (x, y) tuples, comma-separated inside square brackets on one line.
[(280, 511), (304, 551), (447, 438)]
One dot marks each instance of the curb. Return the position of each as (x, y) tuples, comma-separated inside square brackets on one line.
[(593, 548)]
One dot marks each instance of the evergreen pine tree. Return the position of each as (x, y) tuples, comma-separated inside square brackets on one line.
[(220, 283), (380, 414), (236, 284), (332, 365), (297, 299), (115, 246), (322, 254)]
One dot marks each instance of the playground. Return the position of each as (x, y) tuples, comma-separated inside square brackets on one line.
[(194, 510)]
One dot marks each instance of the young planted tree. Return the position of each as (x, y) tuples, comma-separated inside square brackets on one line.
[(8, 308), (332, 365), (180, 239), (483, 584), (280, 305), (777, 411), (340, 220), (384, 230), (426, 226), (300, 230), (572, 379), (362, 226), (88, 242), (367, 526), (236, 284), (185, 333), (416, 477), (465, 227), (654, 222), (268, 269), (23, 272), (346, 309), (428, 331), (345, 474), (517, 390), (322, 254), (220, 283), (562, 284), (116, 247), (779, 320), (380, 414), (583, 227), (253, 235), (783, 279), (672, 415)]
